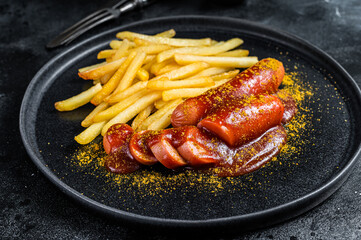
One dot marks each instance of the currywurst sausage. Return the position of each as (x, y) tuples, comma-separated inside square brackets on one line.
[(262, 78), (239, 121)]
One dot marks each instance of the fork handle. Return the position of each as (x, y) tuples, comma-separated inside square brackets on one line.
[(130, 5)]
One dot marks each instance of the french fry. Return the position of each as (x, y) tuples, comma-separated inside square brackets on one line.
[(117, 108), (122, 50), (89, 119), (91, 67), (133, 110), (182, 93), (210, 72), (148, 59), (152, 49), (141, 42), (116, 97), (159, 103), (100, 71), (158, 114), (115, 44), (178, 42), (78, 100), (167, 34), (106, 53), (109, 87), (147, 65), (167, 68), (165, 85), (141, 117), (90, 133), (131, 72), (234, 53), (202, 51), (236, 62), (104, 79), (183, 72), (162, 122), (229, 74), (157, 66), (188, 92), (142, 74)]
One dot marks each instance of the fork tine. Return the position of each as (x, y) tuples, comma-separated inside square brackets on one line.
[(104, 13), (85, 28), (84, 20)]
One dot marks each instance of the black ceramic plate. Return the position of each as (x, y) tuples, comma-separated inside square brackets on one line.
[(319, 159)]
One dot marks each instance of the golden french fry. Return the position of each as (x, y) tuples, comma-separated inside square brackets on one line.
[(122, 50), (91, 67), (157, 66), (234, 53), (116, 97), (189, 83), (109, 87), (182, 93), (142, 74), (106, 53), (141, 42), (131, 72), (78, 100), (115, 44), (117, 108), (183, 72), (167, 68), (104, 79), (152, 49), (178, 42), (89, 119), (202, 51), (237, 62), (159, 103), (100, 71), (141, 117), (168, 34), (226, 75), (158, 114), (210, 72), (147, 65), (90, 133), (133, 110), (162, 122)]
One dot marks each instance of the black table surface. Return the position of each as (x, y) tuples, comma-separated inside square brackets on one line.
[(32, 208)]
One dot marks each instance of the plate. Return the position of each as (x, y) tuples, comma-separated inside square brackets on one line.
[(320, 157)]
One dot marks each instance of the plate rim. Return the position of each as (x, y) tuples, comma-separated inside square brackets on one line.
[(297, 206)]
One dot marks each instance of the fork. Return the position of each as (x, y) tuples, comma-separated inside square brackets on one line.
[(94, 19)]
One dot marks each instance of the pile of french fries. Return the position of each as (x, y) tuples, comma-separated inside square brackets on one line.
[(145, 77)]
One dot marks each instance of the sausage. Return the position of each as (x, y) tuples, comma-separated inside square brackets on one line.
[(289, 105), (239, 121), (198, 148), (262, 78), (116, 143), (139, 148), (116, 135), (163, 149)]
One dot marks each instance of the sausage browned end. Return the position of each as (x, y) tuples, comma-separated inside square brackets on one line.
[(262, 78)]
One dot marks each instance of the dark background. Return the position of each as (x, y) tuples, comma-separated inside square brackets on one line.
[(32, 208)]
